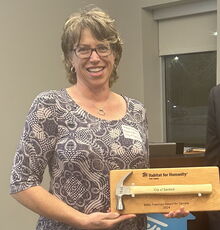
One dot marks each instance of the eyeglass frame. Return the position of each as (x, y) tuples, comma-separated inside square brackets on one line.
[(91, 51)]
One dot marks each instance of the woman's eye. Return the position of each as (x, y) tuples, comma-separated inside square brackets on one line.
[(102, 48), (83, 50)]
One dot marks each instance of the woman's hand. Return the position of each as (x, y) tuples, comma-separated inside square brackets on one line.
[(178, 213), (99, 220), (45, 204)]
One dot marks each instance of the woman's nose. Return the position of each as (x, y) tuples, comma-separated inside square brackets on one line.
[(94, 56)]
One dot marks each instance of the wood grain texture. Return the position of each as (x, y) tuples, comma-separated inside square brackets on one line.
[(157, 203)]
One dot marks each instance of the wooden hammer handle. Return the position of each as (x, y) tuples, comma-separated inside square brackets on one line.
[(172, 189)]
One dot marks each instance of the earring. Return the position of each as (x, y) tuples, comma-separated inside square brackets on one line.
[(72, 69)]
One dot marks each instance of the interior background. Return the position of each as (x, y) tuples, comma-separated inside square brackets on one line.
[(31, 62)]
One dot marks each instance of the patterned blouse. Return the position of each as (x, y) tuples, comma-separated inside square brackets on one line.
[(79, 150)]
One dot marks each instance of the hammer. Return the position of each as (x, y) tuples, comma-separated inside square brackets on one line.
[(122, 190)]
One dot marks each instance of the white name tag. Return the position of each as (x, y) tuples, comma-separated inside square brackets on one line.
[(131, 133)]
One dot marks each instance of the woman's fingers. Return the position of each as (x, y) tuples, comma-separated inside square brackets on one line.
[(178, 213), (106, 220)]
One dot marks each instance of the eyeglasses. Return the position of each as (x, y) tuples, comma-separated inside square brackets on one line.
[(86, 52)]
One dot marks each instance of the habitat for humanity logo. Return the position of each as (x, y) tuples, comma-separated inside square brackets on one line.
[(154, 224), (157, 221)]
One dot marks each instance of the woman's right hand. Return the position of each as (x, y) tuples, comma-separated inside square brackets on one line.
[(99, 220), (45, 204)]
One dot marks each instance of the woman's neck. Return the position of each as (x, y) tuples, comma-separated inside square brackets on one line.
[(82, 92)]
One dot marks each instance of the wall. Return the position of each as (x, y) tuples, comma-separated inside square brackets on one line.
[(31, 62), (152, 76)]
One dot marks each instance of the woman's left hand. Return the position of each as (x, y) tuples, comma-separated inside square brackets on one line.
[(177, 214)]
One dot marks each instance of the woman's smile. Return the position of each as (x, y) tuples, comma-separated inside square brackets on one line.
[(95, 69)]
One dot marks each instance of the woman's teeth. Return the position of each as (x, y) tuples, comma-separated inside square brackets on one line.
[(95, 70)]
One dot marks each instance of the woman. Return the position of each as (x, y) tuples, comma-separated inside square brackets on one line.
[(81, 133)]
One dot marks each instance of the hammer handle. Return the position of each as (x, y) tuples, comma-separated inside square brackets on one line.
[(172, 189)]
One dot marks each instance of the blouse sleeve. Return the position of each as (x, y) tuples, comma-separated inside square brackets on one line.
[(36, 145)]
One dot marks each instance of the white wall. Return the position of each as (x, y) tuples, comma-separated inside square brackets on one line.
[(30, 60)]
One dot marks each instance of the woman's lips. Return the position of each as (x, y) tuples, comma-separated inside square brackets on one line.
[(95, 71)]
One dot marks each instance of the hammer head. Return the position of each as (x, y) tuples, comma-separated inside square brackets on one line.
[(122, 190)]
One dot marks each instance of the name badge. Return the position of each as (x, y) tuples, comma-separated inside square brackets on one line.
[(131, 133)]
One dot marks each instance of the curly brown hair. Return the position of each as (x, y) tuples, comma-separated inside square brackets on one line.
[(101, 26)]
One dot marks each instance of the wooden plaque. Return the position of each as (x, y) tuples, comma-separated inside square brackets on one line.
[(157, 203)]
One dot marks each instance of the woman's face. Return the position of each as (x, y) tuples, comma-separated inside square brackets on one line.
[(95, 70)]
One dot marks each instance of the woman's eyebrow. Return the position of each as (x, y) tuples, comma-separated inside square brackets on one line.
[(100, 43)]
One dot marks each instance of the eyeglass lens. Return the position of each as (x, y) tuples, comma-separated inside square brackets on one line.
[(86, 52)]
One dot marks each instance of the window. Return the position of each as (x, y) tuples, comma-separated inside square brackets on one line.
[(188, 80)]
